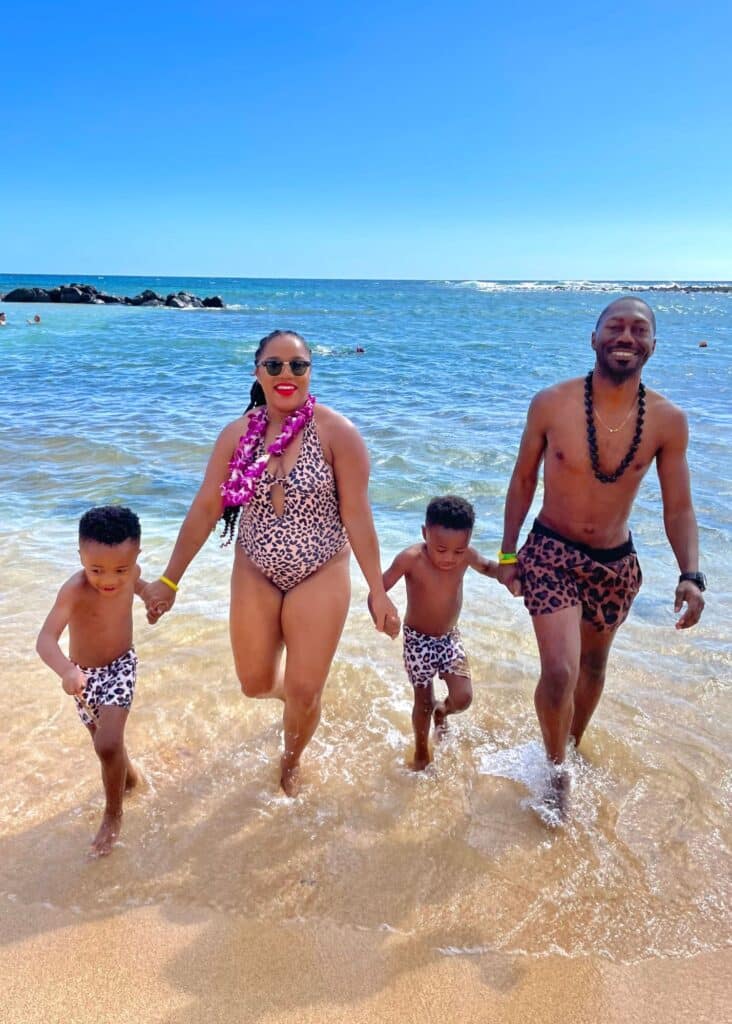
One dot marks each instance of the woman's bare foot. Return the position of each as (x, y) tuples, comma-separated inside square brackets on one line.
[(289, 777), (439, 717), (105, 838)]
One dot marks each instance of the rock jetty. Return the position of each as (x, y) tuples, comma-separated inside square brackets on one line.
[(89, 295)]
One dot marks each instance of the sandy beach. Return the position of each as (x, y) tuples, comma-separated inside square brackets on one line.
[(172, 966), (386, 898)]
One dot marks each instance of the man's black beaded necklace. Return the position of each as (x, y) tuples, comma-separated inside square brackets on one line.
[(610, 478)]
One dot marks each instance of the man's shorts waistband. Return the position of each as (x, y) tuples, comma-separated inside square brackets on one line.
[(602, 555)]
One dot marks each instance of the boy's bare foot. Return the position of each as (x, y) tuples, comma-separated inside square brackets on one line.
[(289, 777), (439, 717), (105, 838), (420, 760)]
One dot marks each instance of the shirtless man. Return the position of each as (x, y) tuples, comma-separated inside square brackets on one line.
[(578, 569)]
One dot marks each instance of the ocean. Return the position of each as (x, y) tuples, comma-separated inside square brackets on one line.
[(122, 404)]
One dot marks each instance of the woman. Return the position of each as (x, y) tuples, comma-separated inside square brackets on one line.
[(295, 474)]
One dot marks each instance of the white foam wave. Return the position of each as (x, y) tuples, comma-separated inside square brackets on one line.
[(592, 286), (527, 764)]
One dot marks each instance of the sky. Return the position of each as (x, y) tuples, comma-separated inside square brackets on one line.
[(379, 140)]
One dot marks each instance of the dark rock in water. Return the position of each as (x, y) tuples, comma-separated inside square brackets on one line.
[(72, 293), (27, 295), (183, 300), (89, 295), (147, 298)]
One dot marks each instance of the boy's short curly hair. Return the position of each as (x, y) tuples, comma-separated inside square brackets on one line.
[(109, 524), (451, 512)]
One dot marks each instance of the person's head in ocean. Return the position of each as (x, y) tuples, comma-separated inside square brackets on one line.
[(3, 319)]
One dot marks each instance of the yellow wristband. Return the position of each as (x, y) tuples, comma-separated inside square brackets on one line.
[(169, 583), (507, 558)]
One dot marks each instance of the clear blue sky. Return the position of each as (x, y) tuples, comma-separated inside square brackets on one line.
[(470, 140)]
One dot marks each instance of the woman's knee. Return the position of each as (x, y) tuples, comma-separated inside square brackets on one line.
[(255, 684), (303, 698)]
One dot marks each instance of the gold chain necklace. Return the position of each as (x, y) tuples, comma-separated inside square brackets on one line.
[(614, 430)]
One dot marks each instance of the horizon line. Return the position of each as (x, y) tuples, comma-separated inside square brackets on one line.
[(486, 280)]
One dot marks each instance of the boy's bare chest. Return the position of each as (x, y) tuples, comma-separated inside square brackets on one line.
[(438, 587), (101, 617)]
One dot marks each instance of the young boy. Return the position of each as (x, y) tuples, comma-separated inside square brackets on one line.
[(433, 573), (100, 672)]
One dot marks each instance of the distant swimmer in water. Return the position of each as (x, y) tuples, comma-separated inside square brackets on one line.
[(578, 570), (3, 320), (359, 350), (36, 320), (433, 572)]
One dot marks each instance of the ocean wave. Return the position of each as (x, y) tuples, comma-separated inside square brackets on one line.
[(722, 287)]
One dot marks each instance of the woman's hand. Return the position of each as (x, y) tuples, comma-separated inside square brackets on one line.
[(159, 598), (385, 614)]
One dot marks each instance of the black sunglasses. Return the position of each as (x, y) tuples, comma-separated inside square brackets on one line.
[(274, 366)]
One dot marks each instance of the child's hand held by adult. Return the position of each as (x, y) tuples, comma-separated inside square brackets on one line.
[(384, 612), (159, 598), (510, 577)]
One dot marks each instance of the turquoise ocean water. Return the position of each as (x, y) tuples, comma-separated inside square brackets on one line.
[(108, 403)]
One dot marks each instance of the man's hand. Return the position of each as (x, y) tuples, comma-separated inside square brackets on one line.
[(687, 593), (510, 577), (73, 681)]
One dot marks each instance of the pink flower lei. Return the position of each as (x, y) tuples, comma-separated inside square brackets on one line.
[(244, 470)]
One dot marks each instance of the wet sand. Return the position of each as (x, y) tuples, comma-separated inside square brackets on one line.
[(378, 895), (174, 966)]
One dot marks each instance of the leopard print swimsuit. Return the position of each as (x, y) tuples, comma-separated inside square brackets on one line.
[(289, 548)]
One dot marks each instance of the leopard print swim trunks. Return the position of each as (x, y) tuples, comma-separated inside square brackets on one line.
[(558, 573), (108, 685), (426, 656)]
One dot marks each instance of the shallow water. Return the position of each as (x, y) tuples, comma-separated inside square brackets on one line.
[(123, 404)]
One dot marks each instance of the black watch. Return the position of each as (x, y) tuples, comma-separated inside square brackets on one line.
[(697, 578)]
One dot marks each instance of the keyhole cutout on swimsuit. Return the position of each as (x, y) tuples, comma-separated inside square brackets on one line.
[(277, 490)]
